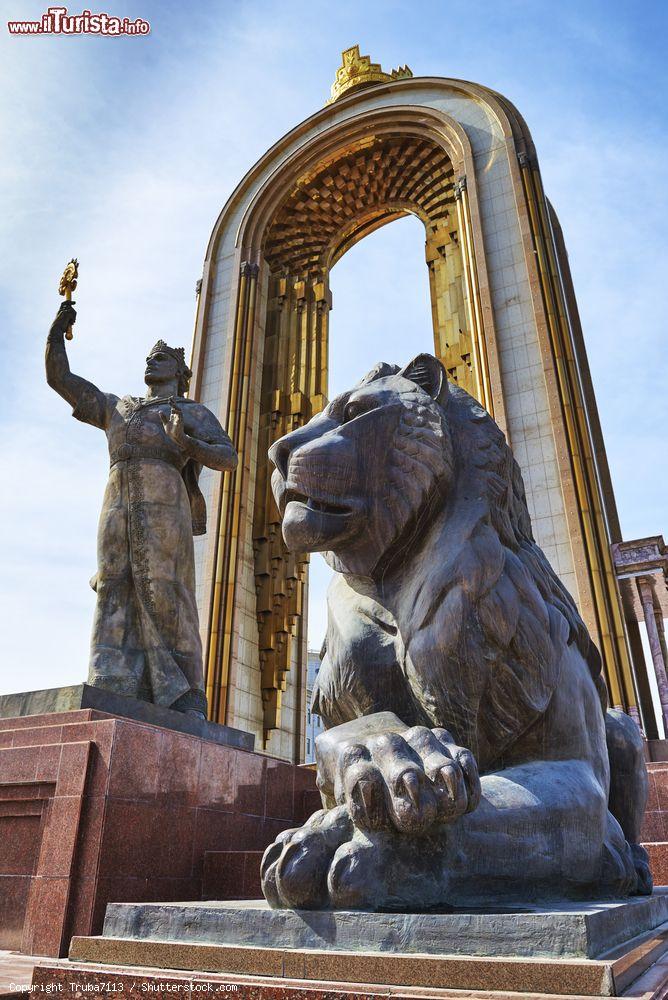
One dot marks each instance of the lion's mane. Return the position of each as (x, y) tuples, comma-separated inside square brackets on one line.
[(471, 564)]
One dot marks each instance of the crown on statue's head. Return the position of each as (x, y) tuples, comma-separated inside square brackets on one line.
[(178, 353), (358, 71)]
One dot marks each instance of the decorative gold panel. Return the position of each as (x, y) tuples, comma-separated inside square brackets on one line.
[(294, 377)]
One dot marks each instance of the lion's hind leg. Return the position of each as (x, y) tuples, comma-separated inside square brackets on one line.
[(628, 787)]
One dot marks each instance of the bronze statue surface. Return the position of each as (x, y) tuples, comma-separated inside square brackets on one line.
[(146, 640), (468, 756)]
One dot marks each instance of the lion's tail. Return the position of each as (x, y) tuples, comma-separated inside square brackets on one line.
[(628, 787)]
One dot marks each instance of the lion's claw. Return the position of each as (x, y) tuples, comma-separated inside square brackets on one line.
[(411, 783), (391, 791), (407, 782), (295, 867)]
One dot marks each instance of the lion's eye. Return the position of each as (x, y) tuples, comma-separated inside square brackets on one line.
[(355, 409)]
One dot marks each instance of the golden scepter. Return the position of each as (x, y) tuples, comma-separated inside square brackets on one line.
[(68, 283)]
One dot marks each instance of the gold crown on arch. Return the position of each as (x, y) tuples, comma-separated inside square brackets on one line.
[(358, 71)]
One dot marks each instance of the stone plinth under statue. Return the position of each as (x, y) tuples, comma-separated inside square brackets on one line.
[(96, 808), (580, 949), (79, 696), (568, 930)]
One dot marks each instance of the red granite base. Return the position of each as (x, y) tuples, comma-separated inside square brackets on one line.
[(232, 875), (655, 826), (73, 982), (97, 809), (638, 969), (658, 861)]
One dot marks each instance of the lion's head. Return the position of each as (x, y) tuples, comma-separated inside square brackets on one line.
[(358, 475)]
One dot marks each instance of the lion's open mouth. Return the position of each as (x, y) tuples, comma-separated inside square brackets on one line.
[(313, 522), (324, 506)]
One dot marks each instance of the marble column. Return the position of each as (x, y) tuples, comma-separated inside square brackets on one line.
[(657, 640)]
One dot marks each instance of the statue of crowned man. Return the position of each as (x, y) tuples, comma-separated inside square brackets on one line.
[(146, 641)]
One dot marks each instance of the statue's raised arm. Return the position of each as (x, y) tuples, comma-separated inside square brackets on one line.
[(88, 402)]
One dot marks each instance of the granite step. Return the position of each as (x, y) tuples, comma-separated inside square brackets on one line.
[(82, 979), (525, 976)]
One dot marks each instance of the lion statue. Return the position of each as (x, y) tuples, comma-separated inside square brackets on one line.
[(468, 758)]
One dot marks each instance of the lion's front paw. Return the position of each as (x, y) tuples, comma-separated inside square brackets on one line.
[(410, 781), (328, 864), (295, 868)]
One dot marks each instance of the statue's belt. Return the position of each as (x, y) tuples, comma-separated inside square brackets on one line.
[(128, 452)]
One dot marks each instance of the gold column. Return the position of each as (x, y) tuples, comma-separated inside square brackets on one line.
[(459, 337), (319, 356), (478, 343), (293, 389), (221, 619), (607, 603), (450, 314)]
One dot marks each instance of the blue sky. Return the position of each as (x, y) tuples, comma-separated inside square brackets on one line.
[(122, 151)]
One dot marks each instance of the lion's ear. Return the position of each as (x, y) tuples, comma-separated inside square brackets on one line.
[(427, 372)]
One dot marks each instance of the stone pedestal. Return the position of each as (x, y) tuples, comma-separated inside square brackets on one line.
[(595, 949), (95, 808), (76, 696), (558, 930)]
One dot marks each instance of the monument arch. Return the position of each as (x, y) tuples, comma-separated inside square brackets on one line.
[(459, 157)]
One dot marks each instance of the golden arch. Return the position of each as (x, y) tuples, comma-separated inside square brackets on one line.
[(310, 199)]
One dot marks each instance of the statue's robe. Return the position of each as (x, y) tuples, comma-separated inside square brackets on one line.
[(146, 640)]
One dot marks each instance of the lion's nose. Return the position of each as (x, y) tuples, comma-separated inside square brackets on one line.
[(279, 453)]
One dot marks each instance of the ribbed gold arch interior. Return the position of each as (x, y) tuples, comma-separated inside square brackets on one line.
[(339, 201), (331, 207)]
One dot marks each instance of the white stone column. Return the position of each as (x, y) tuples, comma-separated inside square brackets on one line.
[(657, 642)]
